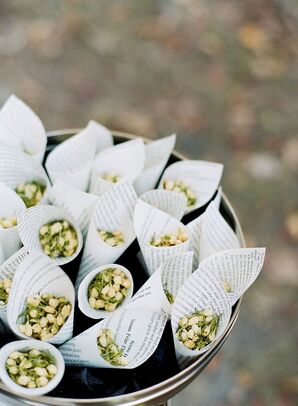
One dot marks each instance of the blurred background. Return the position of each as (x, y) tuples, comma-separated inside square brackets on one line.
[(223, 76)]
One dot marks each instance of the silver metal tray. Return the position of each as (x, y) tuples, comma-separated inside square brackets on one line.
[(160, 393)]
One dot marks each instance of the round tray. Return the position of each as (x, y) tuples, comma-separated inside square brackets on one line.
[(165, 390)]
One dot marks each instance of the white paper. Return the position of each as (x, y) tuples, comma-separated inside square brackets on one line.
[(17, 167), (83, 292), (136, 330), (194, 228), (2, 259), (37, 274), (79, 204), (238, 267), (71, 161), (170, 202), (157, 154), (150, 221), (30, 222), (7, 270), (216, 233), (113, 211), (104, 138), (21, 128), (218, 197), (202, 177), (202, 290), (125, 159), (11, 206), (170, 276)]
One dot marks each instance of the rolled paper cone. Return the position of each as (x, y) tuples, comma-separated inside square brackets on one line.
[(27, 345), (237, 269), (22, 129), (216, 233), (149, 222), (202, 290), (2, 259), (38, 275), (125, 159), (11, 206), (30, 222), (104, 138), (157, 154), (7, 270), (194, 229), (202, 177), (17, 167), (83, 303), (79, 204), (113, 211), (169, 277), (218, 196), (137, 331), (71, 161), (171, 203)]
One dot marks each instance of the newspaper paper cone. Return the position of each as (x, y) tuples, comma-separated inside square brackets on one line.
[(103, 136), (11, 206), (79, 204), (194, 228), (170, 202), (202, 177), (167, 279), (113, 211), (20, 128), (237, 269), (202, 290), (125, 160), (149, 222), (30, 222), (216, 233), (83, 303), (37, 274), (157, 154), (17, 167), (71, 161), (27, 345), (137, 331), (7, 270)]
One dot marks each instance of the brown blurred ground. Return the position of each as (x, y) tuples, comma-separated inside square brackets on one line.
[(223, 76)]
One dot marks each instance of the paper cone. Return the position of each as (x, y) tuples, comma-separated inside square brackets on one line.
[(157, 154), (7, 270), (170, 202), (79, 204), (202, 290), (216, 233), (20, 128), (170, 276), (113, 211), (71, 161), (83, 293), (126, 159), (37, 274), (11, 206), (136, 330), (202, 177), (237, 267), (103, 136), (30, 222), (150, 221), (17, 167), (26, 345)]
